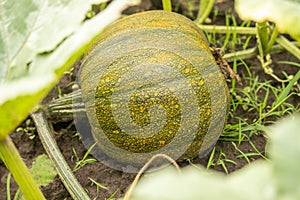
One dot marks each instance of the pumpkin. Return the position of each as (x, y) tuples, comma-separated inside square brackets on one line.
[(150, 85)]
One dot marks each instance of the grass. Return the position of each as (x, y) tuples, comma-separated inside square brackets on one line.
[(253, 108), (258, 103), (219, 160), (98, 185), (112, 196), (84, 160)]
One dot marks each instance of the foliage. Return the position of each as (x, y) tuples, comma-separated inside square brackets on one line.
[(39, 40), (285, 13), (43, 173), (205, 8), (275, 179), (43, 170)]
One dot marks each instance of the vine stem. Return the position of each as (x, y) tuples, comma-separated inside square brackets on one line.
[(21, 174), (225, 29), (205, 8), (167, 5), (289, 46), (284, 43), (51, 148), (252, 52), (272, 40)]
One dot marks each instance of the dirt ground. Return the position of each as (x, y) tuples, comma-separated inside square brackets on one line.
[(113, 179)]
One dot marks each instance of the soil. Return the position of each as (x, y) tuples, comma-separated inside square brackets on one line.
[(65, 133)]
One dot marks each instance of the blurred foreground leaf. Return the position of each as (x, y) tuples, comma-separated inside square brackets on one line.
[(264, 180), (285, 13), (39, 40), (284, 152)]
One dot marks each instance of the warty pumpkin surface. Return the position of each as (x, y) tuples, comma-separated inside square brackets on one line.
[(150, 85)]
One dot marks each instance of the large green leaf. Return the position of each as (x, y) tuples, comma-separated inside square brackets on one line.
[(252, 182), (264, 180), (38, 41), (30, 27), (285, 13), (285, 151)]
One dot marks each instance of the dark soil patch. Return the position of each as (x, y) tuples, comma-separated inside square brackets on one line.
[(117, 180)]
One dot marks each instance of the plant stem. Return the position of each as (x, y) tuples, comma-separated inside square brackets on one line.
[(262, 37), (205, 8), (271, 40), (20, 172), (50, 146), (252, 52), (225, 29), (66, 106), (167, 5), (289, 46)]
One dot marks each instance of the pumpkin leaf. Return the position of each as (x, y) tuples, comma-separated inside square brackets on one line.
[(201, 184), (278, 178), (39, 40), (285, 13), (31, 27), (284, 152), (43, 172)]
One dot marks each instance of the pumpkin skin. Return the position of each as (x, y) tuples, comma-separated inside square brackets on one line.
[(150, 85)]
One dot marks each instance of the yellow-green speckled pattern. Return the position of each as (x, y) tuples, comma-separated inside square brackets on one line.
[(150, 85)]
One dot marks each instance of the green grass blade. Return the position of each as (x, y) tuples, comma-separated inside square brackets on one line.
[(211, 159), (289, 63), (204, 11), (99, 185), (288, 88), (271, 40), (241, 152), (8, 186), (262, 37), (112, 196), (228, 32)]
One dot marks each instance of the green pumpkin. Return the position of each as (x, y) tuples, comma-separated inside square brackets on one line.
[(150, 85)]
